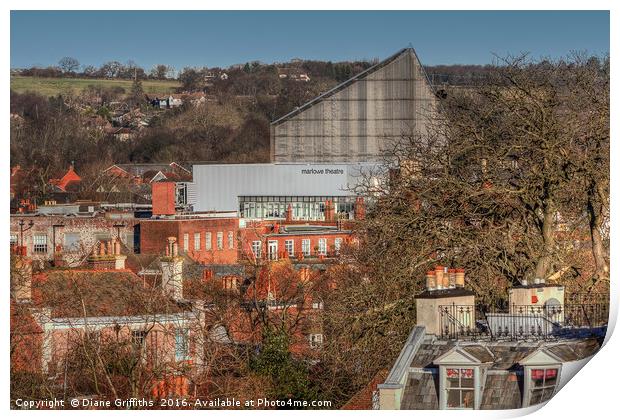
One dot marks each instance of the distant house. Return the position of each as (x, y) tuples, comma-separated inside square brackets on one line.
[(194, 98), (57, 316), (139, 177), (146, 173), (61, 188), (120, 133), (97, 122), (215, 74), (166, 102), (293, 74)]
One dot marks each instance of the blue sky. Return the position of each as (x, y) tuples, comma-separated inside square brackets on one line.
[(211, 38)]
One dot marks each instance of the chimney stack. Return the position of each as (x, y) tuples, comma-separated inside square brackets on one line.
[(102, 257), (444, 289), (172, 270), (119, 260), (359, 211), (289, 213), (329, 211), (163, 198)]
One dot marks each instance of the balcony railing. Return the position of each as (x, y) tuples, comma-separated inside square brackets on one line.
[(522, 322)]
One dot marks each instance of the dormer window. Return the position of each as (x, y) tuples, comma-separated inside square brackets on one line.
[(460, 388), (540, 384), (460, 370), (541, 373)]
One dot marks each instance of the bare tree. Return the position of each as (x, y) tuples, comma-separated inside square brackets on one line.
[(69, 64)]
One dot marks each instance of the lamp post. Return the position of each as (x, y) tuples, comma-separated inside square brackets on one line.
[(21, 224)]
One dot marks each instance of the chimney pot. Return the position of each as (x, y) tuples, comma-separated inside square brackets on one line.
[(452, 278), (431, 280), (441, 281), (459, 277)]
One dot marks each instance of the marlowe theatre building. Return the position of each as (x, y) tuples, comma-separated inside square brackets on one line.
[(322, 149)]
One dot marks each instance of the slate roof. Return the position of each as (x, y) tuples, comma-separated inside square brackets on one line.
[(503, 380), (576, 351), (421, 391), (502, 391)]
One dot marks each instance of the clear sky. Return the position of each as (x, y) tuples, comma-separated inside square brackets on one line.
[(205, 38)]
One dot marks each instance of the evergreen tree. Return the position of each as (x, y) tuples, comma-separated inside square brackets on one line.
[(137, 92)]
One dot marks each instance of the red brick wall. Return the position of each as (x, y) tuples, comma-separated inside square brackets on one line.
[(153, 234), (163, 198), (86, 227), (252, 235)]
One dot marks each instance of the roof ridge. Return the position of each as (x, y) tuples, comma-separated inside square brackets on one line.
[(349, 81)]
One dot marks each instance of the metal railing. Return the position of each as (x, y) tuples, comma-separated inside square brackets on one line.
[(521, 322)]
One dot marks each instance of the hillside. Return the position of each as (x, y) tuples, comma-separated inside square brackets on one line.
[(54, 86)]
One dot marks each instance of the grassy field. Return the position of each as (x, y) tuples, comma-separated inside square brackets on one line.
[(53, 87)]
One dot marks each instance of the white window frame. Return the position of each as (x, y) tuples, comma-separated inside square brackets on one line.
[(315, 341), (272, 250), (231, 240), (305, 247), (322, 245), (185, 242), (74, 245), (337, 245), (13, 240), (443, 386), (289, 245), (138, 342), (197, 241), (317, 304), (256, 248), (220, 241), (208, 241), (528, 382), (39, 243)]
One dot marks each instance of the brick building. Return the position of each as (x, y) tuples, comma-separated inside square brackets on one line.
[(231, 240), (74, 234), (207, 240), (58, 316)]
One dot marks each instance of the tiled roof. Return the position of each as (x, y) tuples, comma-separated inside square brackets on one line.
[(94, 293), (362, 400), (70, 177)]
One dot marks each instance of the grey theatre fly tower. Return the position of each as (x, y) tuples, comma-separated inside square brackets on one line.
[(354, 121)]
